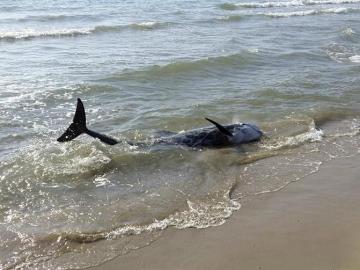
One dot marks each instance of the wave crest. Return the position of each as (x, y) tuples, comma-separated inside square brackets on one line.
[(206, 65), (31, 33), (28, 34), (234, 6), (308, 12), (54, 17), (355, 58), (147, 25), (232, 18)]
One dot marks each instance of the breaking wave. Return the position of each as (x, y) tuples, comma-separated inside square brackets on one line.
[(309, 12), (31, 33), (28, 34), (312, 135), (197, 215), (229, 6), (355, 58), (234, 6), (148, 25)]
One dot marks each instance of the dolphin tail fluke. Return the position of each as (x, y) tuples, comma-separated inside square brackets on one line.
[(78, 127)]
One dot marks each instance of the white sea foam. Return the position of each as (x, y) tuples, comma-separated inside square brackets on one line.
[(306, 12), (349, 31), (328, 2), (291, 14), (293, 3), (147, 24), (269, 4), (32, 33), (339, 53), (198, 215), (312, 135), (355, 58)]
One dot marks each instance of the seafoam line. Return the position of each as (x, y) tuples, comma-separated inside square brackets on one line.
[(73, 32), (308, 12), (232, 6)]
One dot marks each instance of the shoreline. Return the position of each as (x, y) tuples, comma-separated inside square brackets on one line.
[(310, 224)]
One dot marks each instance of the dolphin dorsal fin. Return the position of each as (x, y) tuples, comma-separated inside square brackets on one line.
[(221, 128)]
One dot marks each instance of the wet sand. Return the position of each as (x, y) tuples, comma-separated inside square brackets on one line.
[(310, 224)]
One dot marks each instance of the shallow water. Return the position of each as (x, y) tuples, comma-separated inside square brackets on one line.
[(291, 67)]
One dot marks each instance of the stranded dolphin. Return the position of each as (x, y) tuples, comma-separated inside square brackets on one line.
[(214, 136)]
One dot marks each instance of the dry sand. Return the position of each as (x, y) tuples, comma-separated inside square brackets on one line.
[(311, 224)]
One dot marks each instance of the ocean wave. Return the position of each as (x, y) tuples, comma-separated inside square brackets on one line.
[(298, 13), (28, 34), (355, 58), (187, 67), (312, 128), (148, 25), (8, 8), (339, 53), (49, 250), (229, 6), (330, 2), (234, 6), (197, 215), (312, 134), (135, 26), (308, 12), (54, 17), (233, 18), (31, 33)]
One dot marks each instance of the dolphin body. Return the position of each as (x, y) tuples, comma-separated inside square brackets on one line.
[(216, 136)]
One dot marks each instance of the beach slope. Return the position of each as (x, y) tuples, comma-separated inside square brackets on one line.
[(310, 224)]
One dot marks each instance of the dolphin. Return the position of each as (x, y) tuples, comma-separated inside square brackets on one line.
[(215, 136)]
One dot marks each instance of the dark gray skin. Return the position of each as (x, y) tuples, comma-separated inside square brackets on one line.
[(212, 137), (216, 136)]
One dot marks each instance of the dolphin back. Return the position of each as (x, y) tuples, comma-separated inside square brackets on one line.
[(250, 133)]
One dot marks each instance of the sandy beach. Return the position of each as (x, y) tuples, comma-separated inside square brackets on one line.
[(310, 224)]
